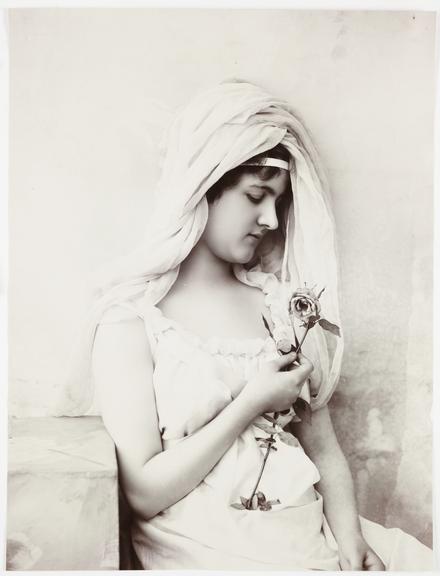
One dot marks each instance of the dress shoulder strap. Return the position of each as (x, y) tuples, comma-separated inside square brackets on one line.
[(127, 311), (119, 313)]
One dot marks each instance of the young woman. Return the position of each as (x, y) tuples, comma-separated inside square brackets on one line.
[(185, 369)]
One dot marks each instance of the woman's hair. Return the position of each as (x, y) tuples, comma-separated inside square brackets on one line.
[(231, 178)]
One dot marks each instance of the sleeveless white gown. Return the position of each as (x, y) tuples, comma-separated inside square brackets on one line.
[(193, 380)]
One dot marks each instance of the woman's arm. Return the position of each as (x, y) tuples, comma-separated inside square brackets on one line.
[(336, 487), (154, 479)]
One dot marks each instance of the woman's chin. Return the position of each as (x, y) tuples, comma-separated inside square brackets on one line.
[(241, 255), (245, 257), (238, 259)]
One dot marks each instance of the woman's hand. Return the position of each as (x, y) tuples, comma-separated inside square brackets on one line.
[(355, 554), (272, 389)]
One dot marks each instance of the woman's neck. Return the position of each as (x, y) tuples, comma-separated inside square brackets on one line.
[(203, 268)]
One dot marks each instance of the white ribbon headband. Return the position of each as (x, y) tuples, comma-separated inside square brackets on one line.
[(275, 162)]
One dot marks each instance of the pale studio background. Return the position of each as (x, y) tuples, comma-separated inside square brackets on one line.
[(91, 92)]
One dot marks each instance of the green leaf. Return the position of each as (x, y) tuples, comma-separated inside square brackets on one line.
[(270, 418), (264, 442), (311, 321), (288, 439), (238, 506), (326, 325), (266, 325), (265, 427), (303, 410), (265, 506), (244, 501), (261, 497)]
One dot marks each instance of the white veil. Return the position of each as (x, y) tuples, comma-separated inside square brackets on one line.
[(219, 130)]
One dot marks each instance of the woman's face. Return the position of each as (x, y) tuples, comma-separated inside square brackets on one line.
[(242, 215)]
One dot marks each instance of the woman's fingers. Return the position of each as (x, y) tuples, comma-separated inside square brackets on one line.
[(304, 364), (372, 561), (284, 360), (285, 385)]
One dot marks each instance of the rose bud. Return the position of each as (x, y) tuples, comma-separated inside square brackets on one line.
[(305, 306)]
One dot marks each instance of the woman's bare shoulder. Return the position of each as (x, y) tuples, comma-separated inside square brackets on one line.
[(121, 336), (122, 368), (121, 341)]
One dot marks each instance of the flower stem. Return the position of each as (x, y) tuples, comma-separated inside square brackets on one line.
[(260, 474), (266, 456), (303, 338)]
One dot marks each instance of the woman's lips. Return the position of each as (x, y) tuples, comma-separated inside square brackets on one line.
[(256, 236)]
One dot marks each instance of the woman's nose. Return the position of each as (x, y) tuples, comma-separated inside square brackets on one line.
[(268, 215)]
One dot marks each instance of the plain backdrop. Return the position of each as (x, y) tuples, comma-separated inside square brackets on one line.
[(91, 93)]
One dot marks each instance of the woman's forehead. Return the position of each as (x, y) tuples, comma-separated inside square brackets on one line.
[(277, 184)]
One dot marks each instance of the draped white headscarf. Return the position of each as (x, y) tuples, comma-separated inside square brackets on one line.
[(219, 130)]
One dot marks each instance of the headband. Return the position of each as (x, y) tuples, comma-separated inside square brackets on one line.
[(275, 162)]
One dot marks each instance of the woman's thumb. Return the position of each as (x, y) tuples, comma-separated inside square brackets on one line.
[(285, 360), (304, 362)]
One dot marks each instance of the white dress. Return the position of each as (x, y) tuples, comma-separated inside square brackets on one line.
[(193, 380)]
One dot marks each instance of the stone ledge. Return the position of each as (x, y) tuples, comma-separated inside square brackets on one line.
[(62, 510)]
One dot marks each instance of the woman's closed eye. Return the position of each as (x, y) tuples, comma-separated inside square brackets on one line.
[(255, 198)]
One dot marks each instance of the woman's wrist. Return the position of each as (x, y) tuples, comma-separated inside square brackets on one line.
[(248, 404), (349, 539), (348, 531)]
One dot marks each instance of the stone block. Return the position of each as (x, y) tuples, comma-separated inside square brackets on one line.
[(62, 507)]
